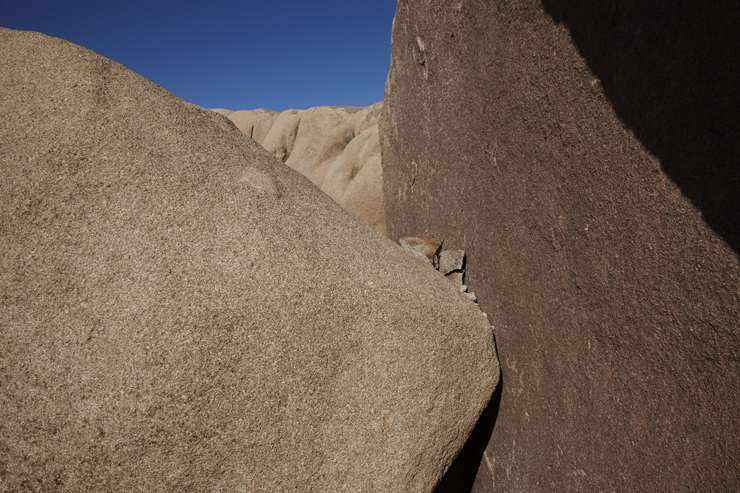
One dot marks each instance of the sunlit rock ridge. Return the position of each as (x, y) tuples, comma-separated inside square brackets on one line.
[(336, 147)]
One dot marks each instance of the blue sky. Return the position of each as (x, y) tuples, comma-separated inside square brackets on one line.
[(275, 54)]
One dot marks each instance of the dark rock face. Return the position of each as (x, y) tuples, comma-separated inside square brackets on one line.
[(585, 155)]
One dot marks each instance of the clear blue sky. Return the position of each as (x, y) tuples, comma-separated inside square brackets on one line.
[(275, 54)]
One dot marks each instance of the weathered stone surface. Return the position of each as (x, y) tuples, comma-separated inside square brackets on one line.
[(585, 156), (255, 123), (355, 179), (456, 277), (451, 260), (336, 147), (415, 252), (280, 139), (179, 311)]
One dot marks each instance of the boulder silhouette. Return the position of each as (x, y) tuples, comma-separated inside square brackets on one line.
[(180, 311)]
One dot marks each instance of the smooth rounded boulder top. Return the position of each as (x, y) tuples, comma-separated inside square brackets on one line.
[(179, 311)]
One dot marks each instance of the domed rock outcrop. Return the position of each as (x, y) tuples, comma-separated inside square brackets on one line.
[(180, 311)]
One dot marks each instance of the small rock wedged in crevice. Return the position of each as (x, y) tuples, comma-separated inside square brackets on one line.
[(450, 263)]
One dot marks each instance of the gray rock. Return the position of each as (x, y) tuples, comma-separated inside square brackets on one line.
[(451, 260), (456, 277)]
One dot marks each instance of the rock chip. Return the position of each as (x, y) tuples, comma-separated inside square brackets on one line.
[(180, 311), (451, 260)]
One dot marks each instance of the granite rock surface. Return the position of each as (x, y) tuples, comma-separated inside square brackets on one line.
[(586, 156), (180, 311), (336, 147)]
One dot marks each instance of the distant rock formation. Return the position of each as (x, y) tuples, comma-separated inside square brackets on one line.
[(336, 147), (181, 312), (586, 156)]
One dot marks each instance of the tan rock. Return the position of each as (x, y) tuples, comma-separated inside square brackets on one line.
[(314, 142), (426, 249), (179, 311), (335, 142), (366, 118), (355, 180), (255, 123), (222, 111), (316, 128), (280, 139)]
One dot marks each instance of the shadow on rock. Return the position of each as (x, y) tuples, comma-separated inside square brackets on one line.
[(671, 69), (462, 473)]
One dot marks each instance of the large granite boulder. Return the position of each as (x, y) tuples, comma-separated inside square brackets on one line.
[(180, 311), (586, 156), (336, 147)]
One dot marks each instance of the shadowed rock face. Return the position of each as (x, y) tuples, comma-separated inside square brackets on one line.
[(180, 311), (585, 156), (336, 147)]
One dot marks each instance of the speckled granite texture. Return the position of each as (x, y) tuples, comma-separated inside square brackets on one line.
[(179, 311)]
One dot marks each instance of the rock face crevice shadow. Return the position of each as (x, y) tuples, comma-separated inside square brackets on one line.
[(461, 475), (671, 70)]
